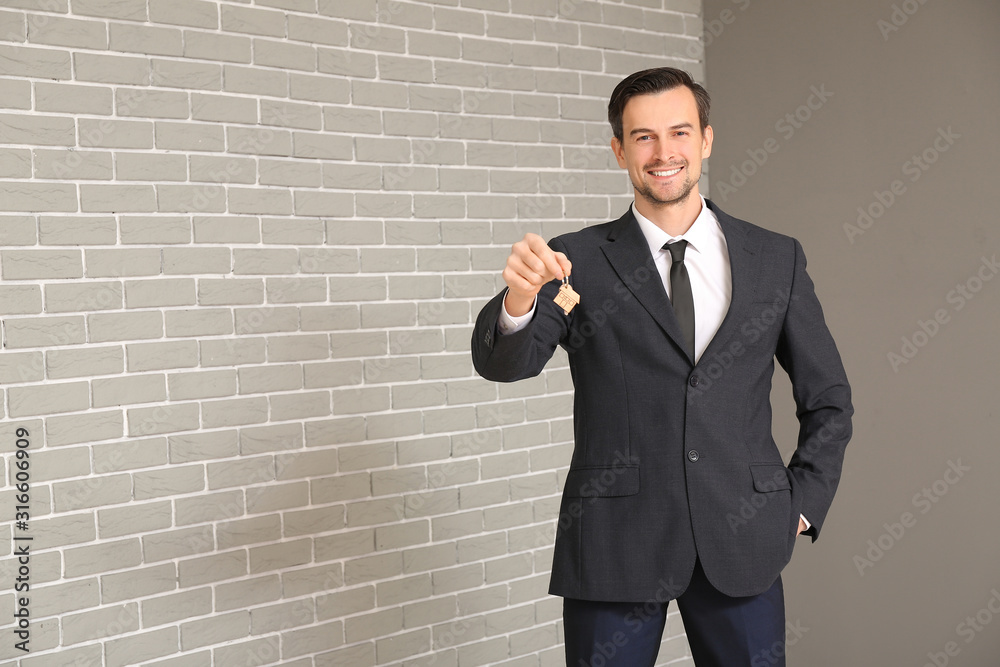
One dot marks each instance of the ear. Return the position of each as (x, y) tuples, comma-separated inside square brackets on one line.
[(707, 137), (619, 151)]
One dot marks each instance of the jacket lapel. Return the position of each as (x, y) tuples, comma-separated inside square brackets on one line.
[(744, 264), (628, 253)]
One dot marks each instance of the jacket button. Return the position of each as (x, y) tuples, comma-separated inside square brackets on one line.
[(694, 381), (693, 455)]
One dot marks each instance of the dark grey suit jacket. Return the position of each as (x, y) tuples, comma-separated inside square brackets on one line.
[(674, 459)]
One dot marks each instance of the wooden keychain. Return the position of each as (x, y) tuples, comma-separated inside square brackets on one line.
[(566, 298)]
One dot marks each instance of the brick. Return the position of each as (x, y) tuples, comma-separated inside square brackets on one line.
[(92, 492), (103, 263), (159, 293), (21, 367), (229, 229), (116, 68), (139, 582), (376, 624), (131, 519), (294, 232), (100, 623), (163, 419), (176, 606), (15, 163), (107, 133), (311, 640), (281, 616), (267, 319), (213, 568), (161, 356), (277, 497), (247, 593), (325, 318), (59, 164), (203, 446), (245, 471), (285, 172), (286, 407), (249, 531), (191, 137), (296, 290), (145, 39), (271, 438), (318, 88), (48, 399), (317, 30), (41, 264), (284, 55), (199, 322), (89, 427), (105, 327), (215, 630), (141, 648), (253, 21), (280, 556), (216, 47), (20, 299), (94, 559), (310, 522), (168, 482), (231, 352), (128, 390), (192, 76), (193, 13), (204, 384), (177, 543), (62, 598), (332, 374), (209, 507), (23, 61), (67, 98), (101, 198), (234, 412)]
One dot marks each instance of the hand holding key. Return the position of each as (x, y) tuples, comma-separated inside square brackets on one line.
[(531, 264)]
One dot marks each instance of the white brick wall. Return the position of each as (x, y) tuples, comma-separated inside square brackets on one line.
[(241, 248)]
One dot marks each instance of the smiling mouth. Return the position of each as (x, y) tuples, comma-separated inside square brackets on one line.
[(665, 173)]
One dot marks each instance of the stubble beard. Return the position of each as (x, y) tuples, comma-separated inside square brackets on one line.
[(646, 191)]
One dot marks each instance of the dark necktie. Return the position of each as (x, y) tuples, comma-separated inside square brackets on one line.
[(680, 292)]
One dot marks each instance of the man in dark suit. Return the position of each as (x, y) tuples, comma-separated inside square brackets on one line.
[(676, 489)]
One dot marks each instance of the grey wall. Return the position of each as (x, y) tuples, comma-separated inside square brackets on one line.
[(929, 590)]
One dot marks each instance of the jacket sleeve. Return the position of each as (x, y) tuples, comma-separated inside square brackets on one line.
[(523, 354), (808, 354)]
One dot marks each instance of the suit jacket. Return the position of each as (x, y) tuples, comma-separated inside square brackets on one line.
[(673, 459)]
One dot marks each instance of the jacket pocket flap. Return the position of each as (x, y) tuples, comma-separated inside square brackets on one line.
[(602, 482), (769, 477)]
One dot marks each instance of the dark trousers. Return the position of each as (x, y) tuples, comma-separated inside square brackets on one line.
[(723, 631)]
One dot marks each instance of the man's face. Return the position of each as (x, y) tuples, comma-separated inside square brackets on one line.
[(663, 146)]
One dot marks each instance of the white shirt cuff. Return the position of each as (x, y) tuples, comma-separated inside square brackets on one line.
[(806, 521), (508, 324)]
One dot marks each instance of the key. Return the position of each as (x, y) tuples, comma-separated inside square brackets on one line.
[(566, 298)]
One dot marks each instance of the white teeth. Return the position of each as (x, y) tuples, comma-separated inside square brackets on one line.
[(666, 173)]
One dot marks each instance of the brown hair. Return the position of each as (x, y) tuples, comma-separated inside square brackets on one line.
[(651, 81)]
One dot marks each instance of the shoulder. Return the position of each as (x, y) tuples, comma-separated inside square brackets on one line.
[(754, 235)]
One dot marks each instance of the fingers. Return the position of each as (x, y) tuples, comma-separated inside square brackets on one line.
[(532, 263), (564, 263)]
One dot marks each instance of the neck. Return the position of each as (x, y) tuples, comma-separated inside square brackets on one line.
[(674, 218)]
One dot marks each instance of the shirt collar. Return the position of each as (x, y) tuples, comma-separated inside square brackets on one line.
[(698, 235)]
